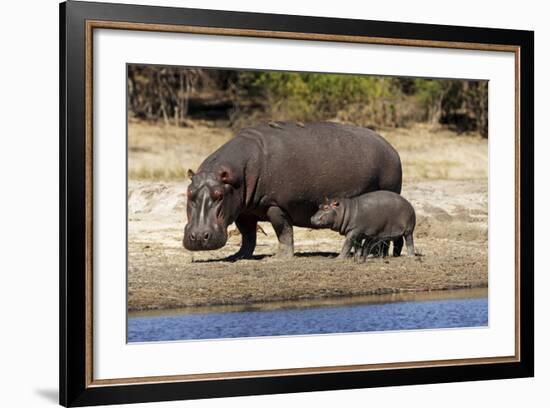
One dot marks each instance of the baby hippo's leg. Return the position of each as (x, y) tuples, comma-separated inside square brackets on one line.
[(410, 244), (348, 244), (367, 248), (397, 246), (385, 247), (374, 248), (358, 250)]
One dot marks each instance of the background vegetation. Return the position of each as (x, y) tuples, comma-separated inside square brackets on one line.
[(176, 96)]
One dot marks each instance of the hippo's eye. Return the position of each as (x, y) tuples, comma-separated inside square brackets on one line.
[(326, 207), (190, 194), (217, 194)]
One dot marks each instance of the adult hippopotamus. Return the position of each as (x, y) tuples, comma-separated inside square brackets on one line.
[(281, 172)]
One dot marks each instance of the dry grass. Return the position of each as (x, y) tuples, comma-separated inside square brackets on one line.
[(435, 153), (157, 152)]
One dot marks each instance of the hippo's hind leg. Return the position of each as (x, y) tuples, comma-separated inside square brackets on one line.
[(247, 225), (283, 228), (397, 246), (410, 244)]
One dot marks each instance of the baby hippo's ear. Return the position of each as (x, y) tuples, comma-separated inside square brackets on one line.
[(190, 174), (335, 203)]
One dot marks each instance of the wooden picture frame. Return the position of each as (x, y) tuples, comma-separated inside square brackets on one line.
[(78, 20)]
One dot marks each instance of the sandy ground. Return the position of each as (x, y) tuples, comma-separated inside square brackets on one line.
[(445, 178)]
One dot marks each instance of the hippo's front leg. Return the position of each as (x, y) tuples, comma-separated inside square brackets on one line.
[(247, 227), (283, 228), (348, 244)]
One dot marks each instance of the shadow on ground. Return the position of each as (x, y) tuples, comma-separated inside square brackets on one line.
[(267, 256)]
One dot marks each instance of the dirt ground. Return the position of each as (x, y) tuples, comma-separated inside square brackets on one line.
[(445, 178)]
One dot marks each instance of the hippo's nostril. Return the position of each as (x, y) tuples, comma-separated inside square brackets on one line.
[(193, 236), (206, 236)]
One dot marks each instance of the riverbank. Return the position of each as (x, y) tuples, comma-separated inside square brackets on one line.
[(404, 296)]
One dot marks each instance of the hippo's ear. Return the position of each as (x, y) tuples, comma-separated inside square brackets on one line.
[(335, 204), (190, 173), (228, 177)]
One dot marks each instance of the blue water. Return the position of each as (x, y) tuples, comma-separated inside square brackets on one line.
[(431, 314)]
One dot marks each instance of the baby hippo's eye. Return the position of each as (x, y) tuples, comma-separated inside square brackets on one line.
[(217, 194)]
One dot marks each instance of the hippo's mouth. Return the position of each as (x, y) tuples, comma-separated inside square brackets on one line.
[(318, 221), (204, 242)]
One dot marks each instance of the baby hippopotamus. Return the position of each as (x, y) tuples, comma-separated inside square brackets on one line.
[(368, 220)]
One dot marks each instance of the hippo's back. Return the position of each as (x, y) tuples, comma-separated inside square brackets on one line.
[(337, 158)]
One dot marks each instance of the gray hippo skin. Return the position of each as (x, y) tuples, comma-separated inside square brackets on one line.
[(281, 172), (373, 218)]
